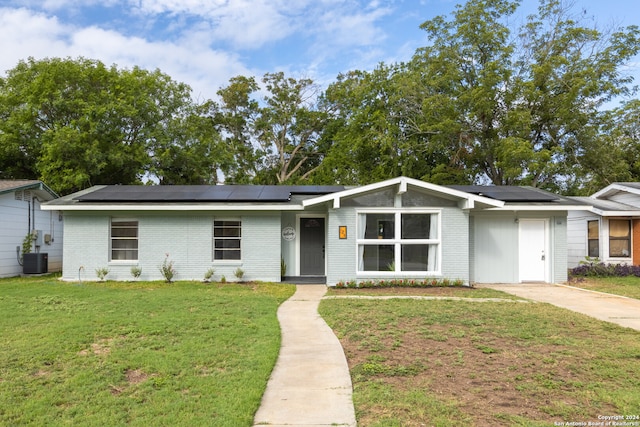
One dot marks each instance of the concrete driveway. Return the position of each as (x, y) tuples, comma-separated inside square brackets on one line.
[(610, 308)]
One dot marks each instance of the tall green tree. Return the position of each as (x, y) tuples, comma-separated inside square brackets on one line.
[(234, 117), (76, 123), (485, 102), (274, 141), (525, 106)]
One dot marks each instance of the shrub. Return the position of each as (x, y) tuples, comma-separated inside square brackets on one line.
[(167, 269), (239, 273), (136, 271), (600, 269), (102, 273), (209, 274)]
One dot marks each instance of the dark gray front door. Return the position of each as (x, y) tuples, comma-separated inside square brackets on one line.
[(312, 246)]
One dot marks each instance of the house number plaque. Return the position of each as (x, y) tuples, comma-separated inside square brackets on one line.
[(289, 233)]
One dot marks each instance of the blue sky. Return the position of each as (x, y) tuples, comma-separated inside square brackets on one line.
[(205, 42)]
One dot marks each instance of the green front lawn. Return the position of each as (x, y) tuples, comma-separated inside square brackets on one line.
[(143, 353), (628, 286)]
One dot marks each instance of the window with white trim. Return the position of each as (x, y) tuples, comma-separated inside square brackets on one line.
[(400, 241), (124, 240), (227, 239), (619, 238)]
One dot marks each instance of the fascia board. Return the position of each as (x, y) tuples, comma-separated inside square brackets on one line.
[(604, 213), (614, 188)]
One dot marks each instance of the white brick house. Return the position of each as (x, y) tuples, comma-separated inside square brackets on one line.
[(399, 228)]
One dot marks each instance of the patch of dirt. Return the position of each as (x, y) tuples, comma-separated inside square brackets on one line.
[(132, 376), (101, 347), (489, 378), (136, 376)]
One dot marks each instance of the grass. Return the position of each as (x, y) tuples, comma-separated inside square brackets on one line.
[(461, 363), (144, 353), (626, 286)]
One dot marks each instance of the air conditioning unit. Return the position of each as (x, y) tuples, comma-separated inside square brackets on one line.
[(37, 263)]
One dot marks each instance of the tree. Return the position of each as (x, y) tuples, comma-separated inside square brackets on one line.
[(484, 102), (76, 123), (234, 118), (523, 108), (275, 142)]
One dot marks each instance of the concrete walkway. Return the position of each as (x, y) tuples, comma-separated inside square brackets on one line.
[(610, 308), (310, 384)]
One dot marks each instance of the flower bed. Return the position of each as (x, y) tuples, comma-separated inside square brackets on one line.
[(406, 283)]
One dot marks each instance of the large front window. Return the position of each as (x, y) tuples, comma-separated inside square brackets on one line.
[(124, 240), (227, 236), (620, 238), (398, 242)]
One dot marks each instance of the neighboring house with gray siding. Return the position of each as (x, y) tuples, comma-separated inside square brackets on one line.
[(399, 228), (609, 229), (21, 215)]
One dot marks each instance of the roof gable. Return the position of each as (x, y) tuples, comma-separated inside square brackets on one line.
[(42, 191), (465, 200), (617, 187)]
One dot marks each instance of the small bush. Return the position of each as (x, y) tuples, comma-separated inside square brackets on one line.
[(102, 273), (209, 274), (136, 271), (601, 269), (167, 269)]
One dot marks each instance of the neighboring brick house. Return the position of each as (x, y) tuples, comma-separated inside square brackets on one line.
[(398, 228)]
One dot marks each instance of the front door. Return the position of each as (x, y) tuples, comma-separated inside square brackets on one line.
[(533, 250), (312, 246)]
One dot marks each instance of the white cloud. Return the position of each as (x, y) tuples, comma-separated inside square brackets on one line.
[(26, 33)]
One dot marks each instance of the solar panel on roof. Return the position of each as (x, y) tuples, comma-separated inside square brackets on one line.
[(202, 193), (508, 193)]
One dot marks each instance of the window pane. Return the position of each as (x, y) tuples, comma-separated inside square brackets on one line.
[(124, 244), (379, 226), (227, 244), (378, 257), (417, 226), (227, 254), (619, 248), (415, 257), (620, 228), (593, 229), (594, 250), (123, 254)]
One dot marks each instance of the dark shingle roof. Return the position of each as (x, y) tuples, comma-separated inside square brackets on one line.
[(202, 193)]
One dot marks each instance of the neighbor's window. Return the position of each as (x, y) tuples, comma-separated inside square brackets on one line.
[(619, 238), (593, 238), (398, 241), (124, 240), (227, 236)]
